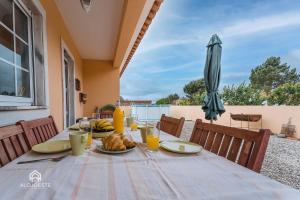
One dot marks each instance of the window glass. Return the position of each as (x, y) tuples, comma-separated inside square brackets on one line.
[(16, 77), (6, 45), (23, 84), (7, 79), (22, 54), (21, 24), (6, 13)]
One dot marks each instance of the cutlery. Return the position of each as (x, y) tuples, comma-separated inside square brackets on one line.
[(57, 159)]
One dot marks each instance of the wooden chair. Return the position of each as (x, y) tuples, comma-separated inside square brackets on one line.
[(12, 143), (247, 148), (170, 125), (39, 130)]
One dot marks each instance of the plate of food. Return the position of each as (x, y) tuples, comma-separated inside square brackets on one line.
[(102, 128), (74, 127), (116, 144), (102, 134), (141, 126), (102, 125), (181, 147), (54, 146)]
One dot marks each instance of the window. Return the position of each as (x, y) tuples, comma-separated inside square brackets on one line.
[(22, 51), (15, 54)]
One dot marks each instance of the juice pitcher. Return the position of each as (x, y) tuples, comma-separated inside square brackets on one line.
[(118, 119)]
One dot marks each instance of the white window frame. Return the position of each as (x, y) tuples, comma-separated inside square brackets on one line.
[(64, 47), (6, 100), (32, 112)]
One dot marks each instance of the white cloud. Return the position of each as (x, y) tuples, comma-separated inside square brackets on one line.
[(161, 69), (147, 89), (174, 32), (234, 74), (185, 79), (153, 45), (293, 59), (256, 25), (241, 27)]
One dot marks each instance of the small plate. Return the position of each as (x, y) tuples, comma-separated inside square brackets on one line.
[(102, 134), (54, 146), (74, 127), (181, 147), (144, 126), (101, 149)]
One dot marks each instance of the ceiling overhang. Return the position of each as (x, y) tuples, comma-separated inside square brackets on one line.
[(95, 33), (145, 20), (112, 30)]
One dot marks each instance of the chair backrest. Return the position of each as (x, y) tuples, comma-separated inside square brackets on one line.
[(39, 130), (244, 147), (170, 125), (106, 114), (12, 143)]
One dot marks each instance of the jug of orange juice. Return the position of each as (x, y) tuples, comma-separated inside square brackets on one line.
[(118, 119)]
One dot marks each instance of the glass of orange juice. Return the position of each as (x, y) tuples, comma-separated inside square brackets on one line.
[(153, 138), (133, 126), (90, 132)]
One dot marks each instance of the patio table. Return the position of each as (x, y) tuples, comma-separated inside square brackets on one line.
[(138, 174)]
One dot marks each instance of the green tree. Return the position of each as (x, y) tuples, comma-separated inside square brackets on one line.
[(168, 100), (198, 98), (184, 101), (194, 91), (121, 99), (193, 87), (271, 74), (163, 101), (173, 97), (242, 94), (287, 94)]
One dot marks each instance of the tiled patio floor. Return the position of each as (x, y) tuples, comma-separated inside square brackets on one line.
[(282, 159)]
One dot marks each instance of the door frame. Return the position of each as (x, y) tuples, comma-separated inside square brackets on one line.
[(64, 47)]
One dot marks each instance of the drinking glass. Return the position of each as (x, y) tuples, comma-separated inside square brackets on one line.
[(96, 115), (153, 135), (85, 126), (134, 125), (90, 133), (129, 121)]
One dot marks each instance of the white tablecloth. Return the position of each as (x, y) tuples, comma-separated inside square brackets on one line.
[(138, 175)]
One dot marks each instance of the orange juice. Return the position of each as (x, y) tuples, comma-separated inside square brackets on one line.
[(90, 133), (118, 122), (133, 126), (90, 139), (152, 142)]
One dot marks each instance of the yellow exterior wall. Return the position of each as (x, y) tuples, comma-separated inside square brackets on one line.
[(101, 84), (56, 30), (99, 79)]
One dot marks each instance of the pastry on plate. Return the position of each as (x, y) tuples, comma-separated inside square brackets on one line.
[(117, 142)]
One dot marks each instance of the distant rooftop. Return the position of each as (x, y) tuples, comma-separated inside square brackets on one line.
[(136, 102)]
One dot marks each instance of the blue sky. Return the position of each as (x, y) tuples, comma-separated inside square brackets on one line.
[(173, 50)]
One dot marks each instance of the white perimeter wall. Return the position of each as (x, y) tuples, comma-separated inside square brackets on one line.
[(273, 116)]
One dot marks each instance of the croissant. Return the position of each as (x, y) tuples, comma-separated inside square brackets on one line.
[(113, 142), (128, 143), (118, 146)]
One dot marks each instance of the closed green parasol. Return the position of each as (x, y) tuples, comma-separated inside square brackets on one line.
[(212, 74)]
